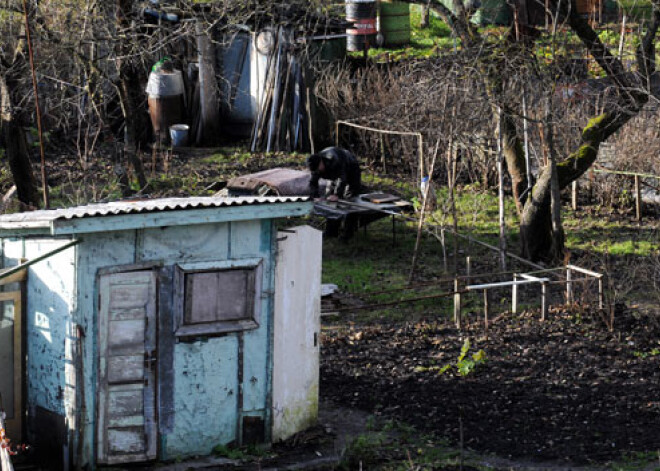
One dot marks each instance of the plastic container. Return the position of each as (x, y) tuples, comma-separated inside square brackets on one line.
[(394, 22), (179, 135)]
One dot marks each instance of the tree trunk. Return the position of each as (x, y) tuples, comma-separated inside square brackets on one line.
[(129, 87), (426, 16), (514, 155), (557, 248), (13, 138), (130, 94), (536, 223)]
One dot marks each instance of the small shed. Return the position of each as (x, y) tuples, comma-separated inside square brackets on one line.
[(159, 329)]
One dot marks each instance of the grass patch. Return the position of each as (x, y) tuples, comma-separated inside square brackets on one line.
[(638, 461), (394, 445), (636, 9)]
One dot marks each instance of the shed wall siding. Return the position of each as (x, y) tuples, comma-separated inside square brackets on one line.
[(97, 251), (50, 302), (206, 395), (296, 329), (207, 400), (183, 244)]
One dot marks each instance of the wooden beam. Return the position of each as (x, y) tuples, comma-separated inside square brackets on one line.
[(18, 276)]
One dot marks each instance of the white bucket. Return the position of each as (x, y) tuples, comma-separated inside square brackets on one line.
[(179, 135)]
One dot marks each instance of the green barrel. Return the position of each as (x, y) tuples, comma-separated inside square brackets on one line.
[(493, 12), (395, 23)]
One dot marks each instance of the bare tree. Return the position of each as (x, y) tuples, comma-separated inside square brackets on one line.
[(13, 66)]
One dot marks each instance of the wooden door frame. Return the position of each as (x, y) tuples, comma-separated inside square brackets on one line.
[(17, 424)]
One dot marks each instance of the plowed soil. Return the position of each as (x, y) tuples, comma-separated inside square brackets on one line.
[(566, 389)]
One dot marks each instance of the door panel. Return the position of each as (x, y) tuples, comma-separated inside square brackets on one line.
[(296, 329), (11, 359), (127, 394)]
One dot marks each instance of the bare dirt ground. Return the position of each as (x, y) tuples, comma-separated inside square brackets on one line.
[(566, 390)]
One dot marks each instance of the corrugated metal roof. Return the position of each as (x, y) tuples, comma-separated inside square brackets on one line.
[(46, 218)]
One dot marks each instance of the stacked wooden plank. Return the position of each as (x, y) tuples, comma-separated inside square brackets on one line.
[(282, 121)]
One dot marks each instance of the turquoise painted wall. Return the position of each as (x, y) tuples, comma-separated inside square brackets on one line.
[(206, 389), (49, 330)]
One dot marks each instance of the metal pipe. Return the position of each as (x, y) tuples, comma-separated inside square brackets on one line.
[(486, 309), (544, 301), (44, 180), (500, 284), (457, 305), (584, 271), (393, 303), (514, 295), (638, 199)]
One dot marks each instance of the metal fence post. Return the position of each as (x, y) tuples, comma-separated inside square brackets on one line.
[(486, 309), (514, 295), (457, 305), (638, 199), (544, 300)]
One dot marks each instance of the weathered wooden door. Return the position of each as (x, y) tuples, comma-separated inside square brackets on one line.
[(126, 429)]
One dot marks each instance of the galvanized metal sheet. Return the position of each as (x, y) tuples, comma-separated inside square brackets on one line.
[(43, 218)]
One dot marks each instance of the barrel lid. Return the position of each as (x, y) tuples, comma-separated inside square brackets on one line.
[(165, 83)]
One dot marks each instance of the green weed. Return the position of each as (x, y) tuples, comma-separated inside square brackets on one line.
[(651, 353), (229, 452), (363, 452), (464, 365)]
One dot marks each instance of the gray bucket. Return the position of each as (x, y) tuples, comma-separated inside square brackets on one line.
[(179, 135)]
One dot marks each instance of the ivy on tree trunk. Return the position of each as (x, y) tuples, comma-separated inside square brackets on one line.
[(13, 140)]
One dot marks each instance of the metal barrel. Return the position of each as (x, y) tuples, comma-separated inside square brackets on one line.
[(165, 98), (395, 23), (362, 13)]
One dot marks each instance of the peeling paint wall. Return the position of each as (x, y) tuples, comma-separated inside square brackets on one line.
[(206, 397), (49, 327), (95, 252), (217, 382), (208, 404), (296, 329)]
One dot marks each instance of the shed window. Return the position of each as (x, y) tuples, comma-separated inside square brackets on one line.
[(218, 299)]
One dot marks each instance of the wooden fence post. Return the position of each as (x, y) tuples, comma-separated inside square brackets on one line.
[(638, 199), (574, 195)]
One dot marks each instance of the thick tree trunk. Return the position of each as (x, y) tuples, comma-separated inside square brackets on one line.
[(536, 223), (13, 138), (514, 155)]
